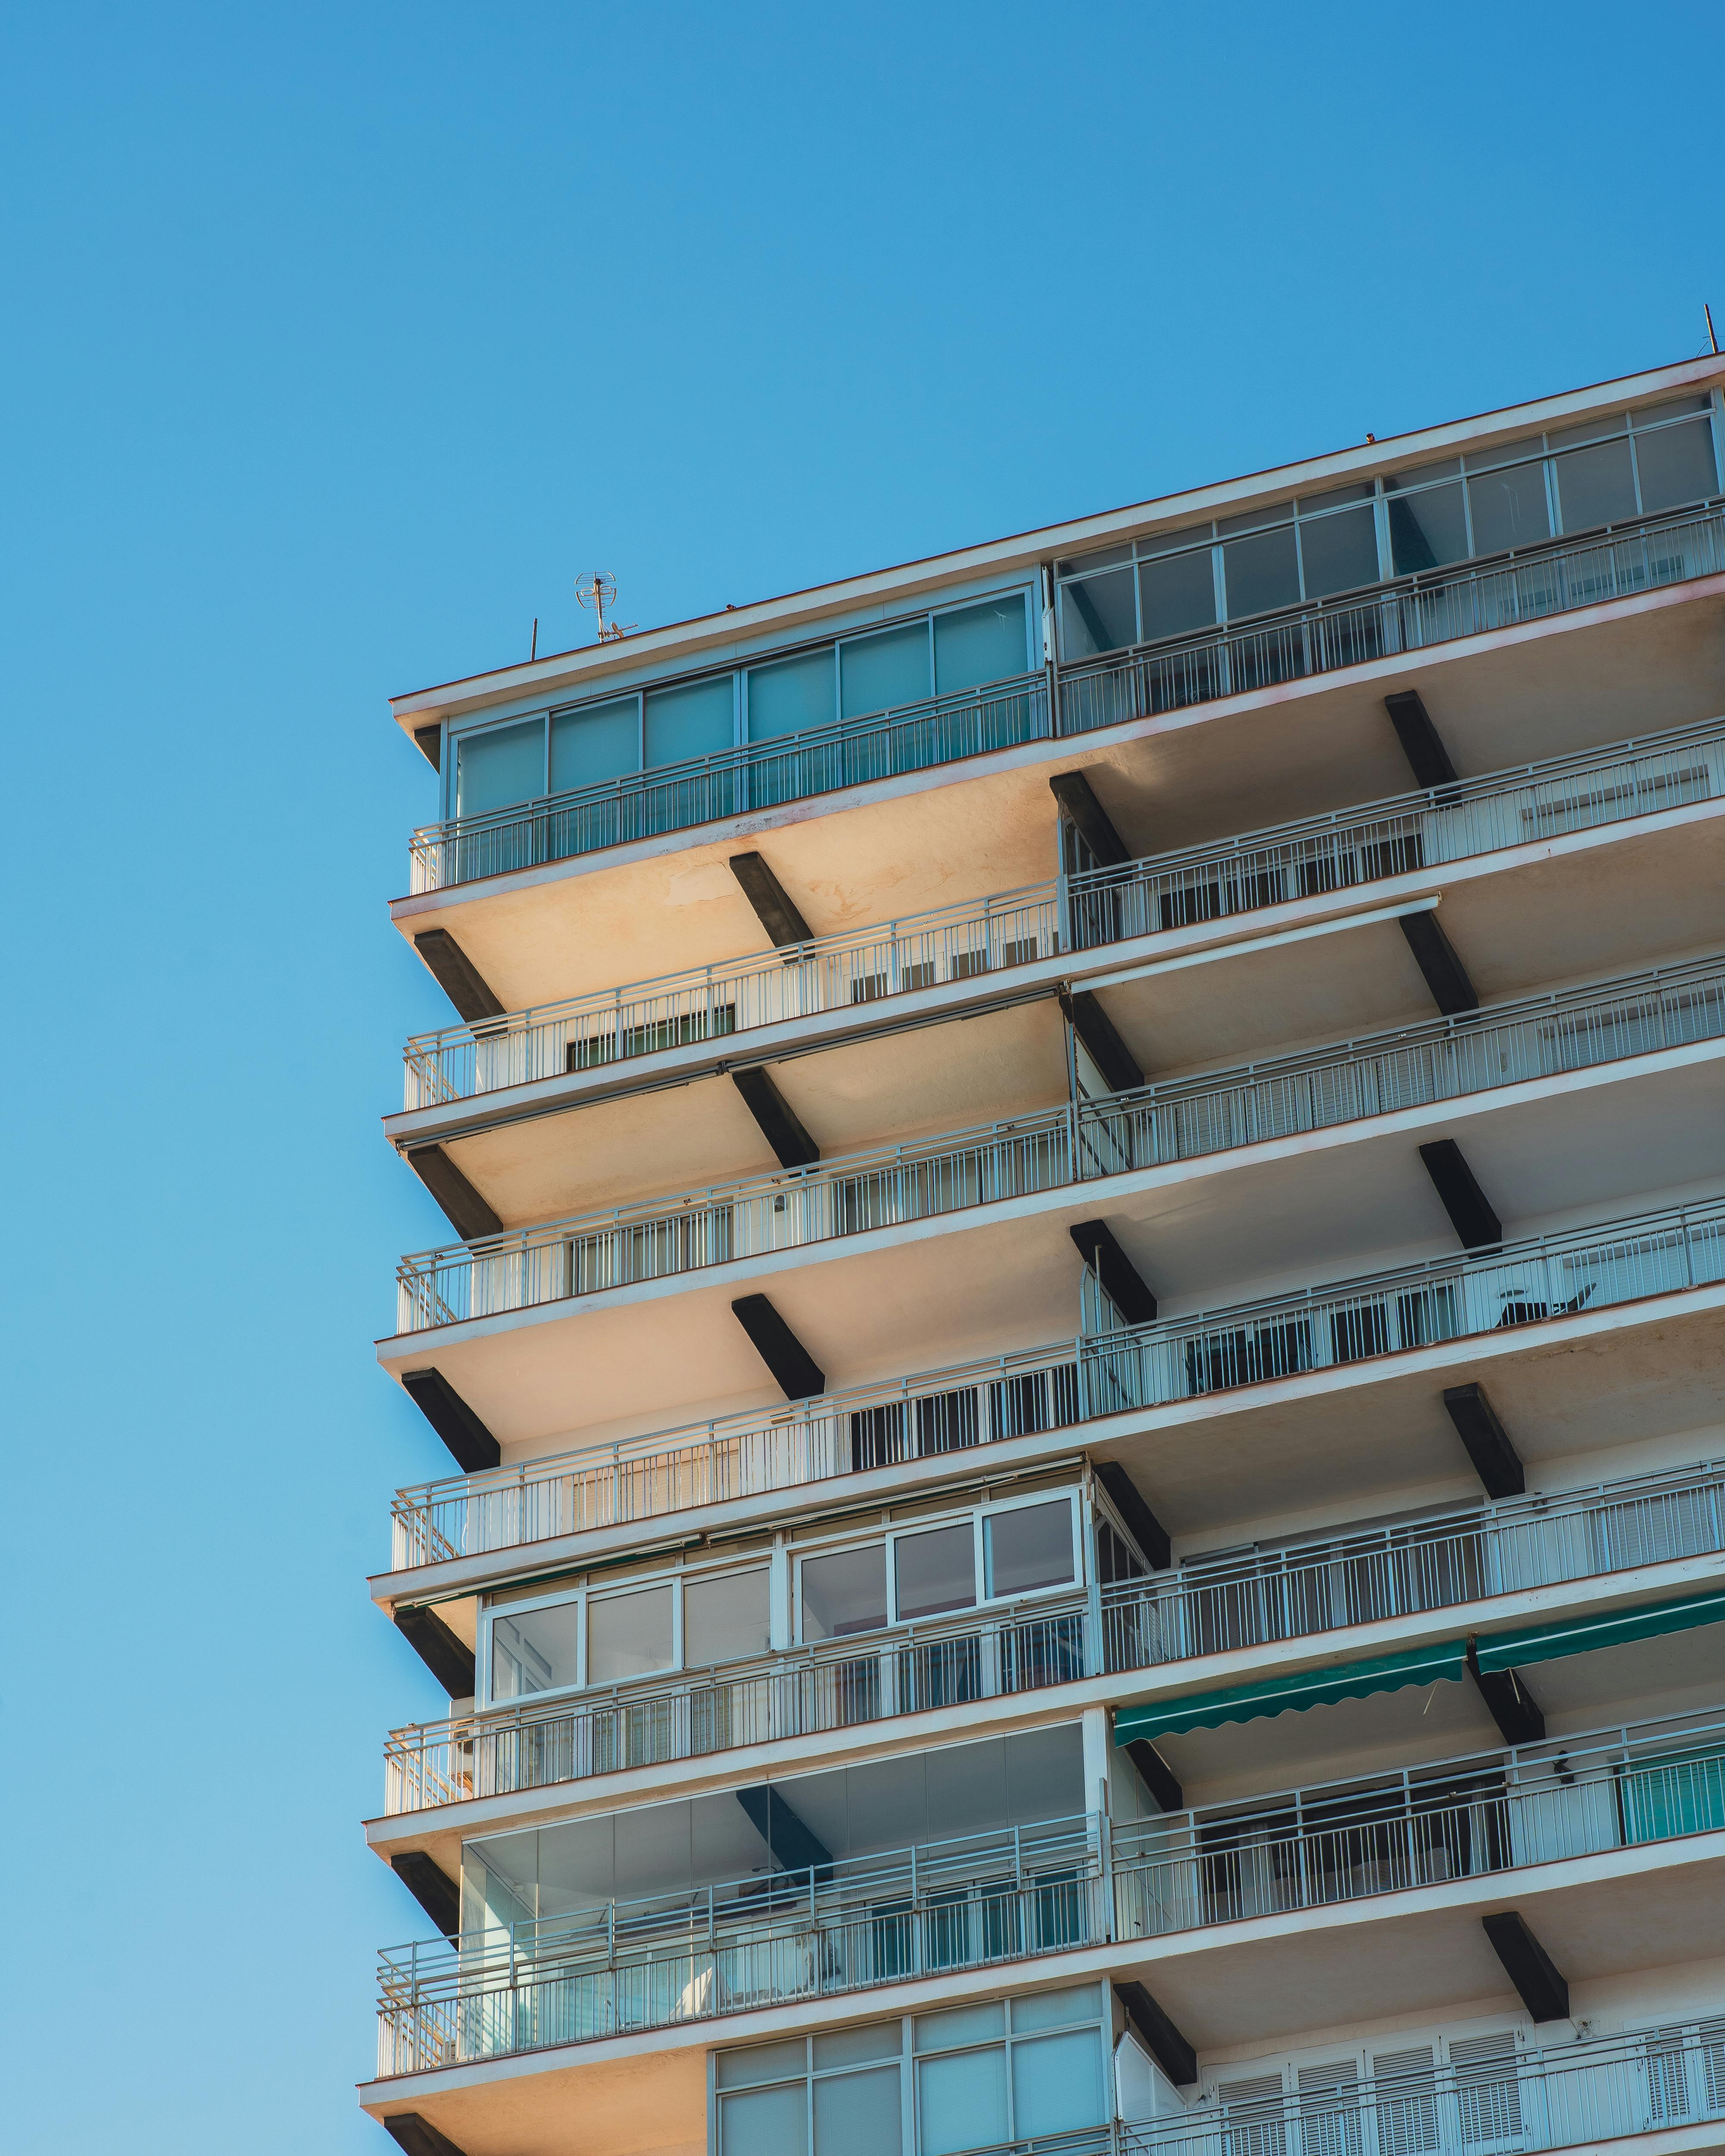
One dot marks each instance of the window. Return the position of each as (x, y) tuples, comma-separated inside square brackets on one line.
[(598, 1635), (695, 718), (994, 1553), (876, 672), (597, 742), (976, 645), (497, 769), (791, 695)]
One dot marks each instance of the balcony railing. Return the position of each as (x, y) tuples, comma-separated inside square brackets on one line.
[(711, 1002), (1399, 836), (985, 1899), (1353, 846), (1407, 615), (1410, 614), (673, 797), (1181, 1119), (1055, 1387), (1208, 1606), (1572, 2095)]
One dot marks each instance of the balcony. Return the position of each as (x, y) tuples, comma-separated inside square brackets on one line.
[(1350, 848), (1410, 614), (1081, 1143), (1207, 1607), (1022, 1893), (1521, 1285)]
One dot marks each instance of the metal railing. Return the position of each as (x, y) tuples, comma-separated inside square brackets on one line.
[(1520, 2100), (1182, 1119), (1208, 1605), (675, 797), (1408, 832), (1289, 861), (1408, 614), (974, 1901), (711, 1002), (1413, 613), (1055, 1387)]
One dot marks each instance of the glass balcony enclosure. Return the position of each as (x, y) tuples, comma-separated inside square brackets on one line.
[(1493, 501), (1524, 1283), (1131, 1619)]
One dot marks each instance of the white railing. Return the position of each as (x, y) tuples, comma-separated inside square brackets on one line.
[(1437, 1059), (1398, 836), (1054, 1388), (826, 1926), (1205, 1606), (712, 1003)]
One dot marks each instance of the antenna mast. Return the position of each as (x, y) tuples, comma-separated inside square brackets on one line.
[(598, 592)]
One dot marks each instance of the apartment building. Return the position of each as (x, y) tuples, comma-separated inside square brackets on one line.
[(1079, 1343)]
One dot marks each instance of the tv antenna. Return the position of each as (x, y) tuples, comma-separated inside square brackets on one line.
[(598, 592)]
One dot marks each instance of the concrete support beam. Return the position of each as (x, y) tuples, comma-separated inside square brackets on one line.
[(1435, 956), (1081, 808), (467, 1212), (1511, 1705), (1428, 759), (471, 1445), (767, 896), (431, 1888), (791, 1144), (430, 743), (1121, 1279), (1158, 1778), (794, 1370), (418, 2136), (1136, 1516), (449, 1659), (456, 975), (790, 1843), (1162, 2040), (1110, 1054), (1476, 1225), (1495, 1459), (1530, 1968)]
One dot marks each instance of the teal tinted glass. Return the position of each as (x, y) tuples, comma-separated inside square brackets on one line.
[(1509, 508), (495, 770), (1057, 2083), (795, 693), (980, 643), (961, 2101), (1339, 553), (1097, 614), (693, 719), (765, 2123), (598, 742), (877, 672), (858, 2114)]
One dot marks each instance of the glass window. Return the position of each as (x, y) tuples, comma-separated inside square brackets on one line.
[(1512, 453), (844, 1593), (724, 1619), (961, 2024), (1176, 594), (855, 2047), (1174, 542), (934, 1572), (537, 1651), (877, 672), (1309, 504), (1098, 614), (1028, 1546), (1057, 2083), (1427, 529), (1340, 552), (795, 693), (1509, 507), (599, 742), (1595, 486), (766, 2121), (629, 1635), (495, 770), (1261, 572), (1675, 464), (858, 2114), (696, 719), (980, 643), (961, 2101), (1255, 519), (760, 2062), (1054, 2010)]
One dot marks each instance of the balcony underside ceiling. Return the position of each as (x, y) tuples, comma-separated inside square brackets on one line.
[(995, 1279), (901, 1086), (1566, 684)]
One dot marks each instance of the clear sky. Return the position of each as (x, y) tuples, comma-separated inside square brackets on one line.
[(339, 339)]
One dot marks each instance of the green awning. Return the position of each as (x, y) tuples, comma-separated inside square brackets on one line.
[(1612, 1628), (1444, 1663)]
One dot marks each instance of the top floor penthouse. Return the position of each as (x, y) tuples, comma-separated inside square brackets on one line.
[(1533, 559)]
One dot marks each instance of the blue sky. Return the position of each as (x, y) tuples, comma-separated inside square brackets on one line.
[(339, 339)]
